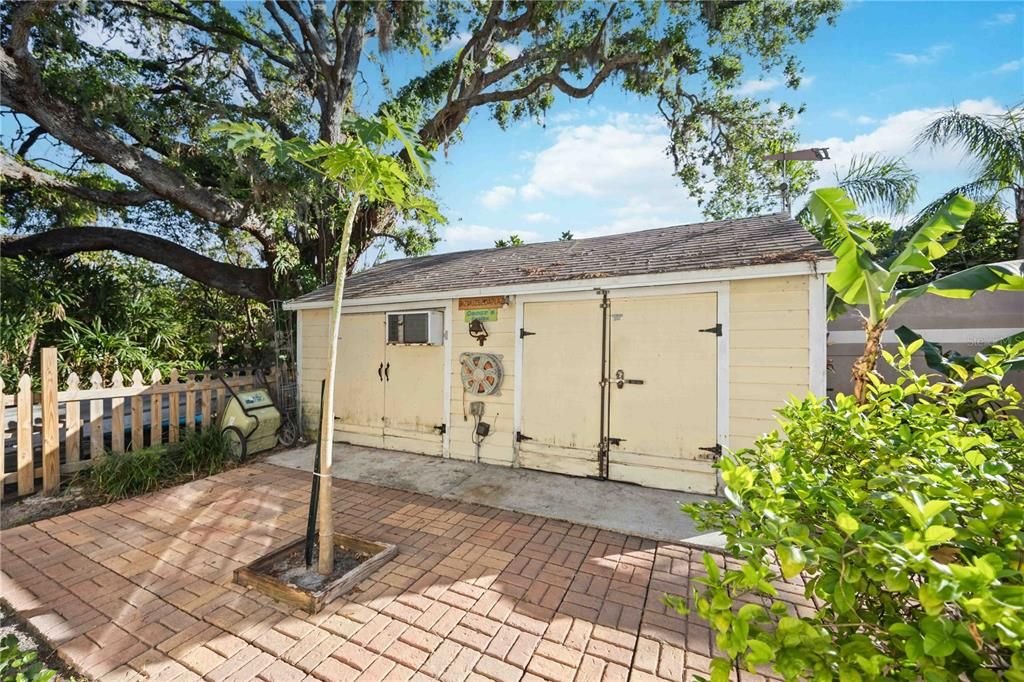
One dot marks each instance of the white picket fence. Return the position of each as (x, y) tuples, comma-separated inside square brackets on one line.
[(50, 434)]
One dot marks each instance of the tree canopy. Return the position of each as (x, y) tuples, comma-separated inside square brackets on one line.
[(111, 104)]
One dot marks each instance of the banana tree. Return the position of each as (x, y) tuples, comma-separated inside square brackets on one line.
[(363, 169), (859, 279)]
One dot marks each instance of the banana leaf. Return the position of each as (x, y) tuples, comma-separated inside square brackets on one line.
[(950, 363)]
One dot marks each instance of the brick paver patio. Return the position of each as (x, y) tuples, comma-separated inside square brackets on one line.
[(142, 589)]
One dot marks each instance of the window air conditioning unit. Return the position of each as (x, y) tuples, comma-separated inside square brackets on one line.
[(416, 327)]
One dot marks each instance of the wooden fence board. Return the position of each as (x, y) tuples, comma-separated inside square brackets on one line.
[(72, 426), (205, 397), (173, 404), (190, 405), (156, 417), (96, 421), (137, 413), (117, 415)]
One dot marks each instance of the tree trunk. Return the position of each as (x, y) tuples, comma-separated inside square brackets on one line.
[(1018, 196), (325, 561), (864, 366)]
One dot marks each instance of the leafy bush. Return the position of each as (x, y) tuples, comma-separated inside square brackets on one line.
[(125, 474), (21, 666), (905, 515), (203, 453)]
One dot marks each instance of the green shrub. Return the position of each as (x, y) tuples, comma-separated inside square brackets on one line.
[(119, 475), (203, 453), (21, 666), (905, 516)]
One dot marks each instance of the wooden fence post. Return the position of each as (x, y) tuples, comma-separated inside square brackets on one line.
[(26, 467), (51, 423)]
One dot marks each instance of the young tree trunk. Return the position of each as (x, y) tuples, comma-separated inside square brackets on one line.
[(325, 562), (1018, 200), (864, 366)]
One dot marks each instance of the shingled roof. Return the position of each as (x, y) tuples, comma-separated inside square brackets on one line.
[(742, 242)]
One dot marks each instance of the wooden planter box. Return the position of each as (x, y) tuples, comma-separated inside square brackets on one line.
[(255, 574)]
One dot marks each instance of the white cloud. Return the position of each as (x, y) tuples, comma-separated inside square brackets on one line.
[(1001, 19), (1008, 67), (865, 120), (471, 236), (895, 136), (497, 196), (929, 56), (753, 87), (807, 81), (621, 163), (540, 217)]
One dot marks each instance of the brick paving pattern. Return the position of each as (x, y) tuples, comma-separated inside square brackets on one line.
[(142, 589)]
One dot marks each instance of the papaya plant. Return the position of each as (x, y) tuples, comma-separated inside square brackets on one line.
[(362, 171), (902, 519), (859, 279)]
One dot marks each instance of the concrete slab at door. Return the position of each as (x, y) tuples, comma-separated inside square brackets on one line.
[(664, 421), (414, 398), (359, 387), (561, 402)]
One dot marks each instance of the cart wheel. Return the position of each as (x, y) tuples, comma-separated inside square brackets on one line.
[(236, 442), (288, 433)]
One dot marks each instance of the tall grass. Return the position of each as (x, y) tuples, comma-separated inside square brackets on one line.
[(126, 474)]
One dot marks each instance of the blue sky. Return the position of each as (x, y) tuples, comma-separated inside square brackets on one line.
[(872, 81)]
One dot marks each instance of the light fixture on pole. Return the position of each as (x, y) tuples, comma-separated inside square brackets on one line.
[(811, 154)]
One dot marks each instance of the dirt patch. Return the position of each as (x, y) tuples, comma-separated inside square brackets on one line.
[(29, 639), (291, 568), (38, 507)]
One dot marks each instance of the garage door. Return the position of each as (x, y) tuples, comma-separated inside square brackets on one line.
[(561, 387), (660, 381), (658, 427)]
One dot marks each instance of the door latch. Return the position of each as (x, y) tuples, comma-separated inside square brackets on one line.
[(621, 380), (714, 453), (441, 429)]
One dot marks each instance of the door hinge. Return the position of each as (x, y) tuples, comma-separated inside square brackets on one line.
[(616, 441), (716, 330), (523, 333), (520, 437), (441, 429), (714, 453)]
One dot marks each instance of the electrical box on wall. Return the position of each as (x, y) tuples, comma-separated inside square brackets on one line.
[(416, 327)]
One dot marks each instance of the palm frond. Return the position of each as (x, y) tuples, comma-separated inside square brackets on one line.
[(995, 141), (880, 182)]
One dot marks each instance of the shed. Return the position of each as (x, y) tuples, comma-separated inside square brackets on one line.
[(633, 357)]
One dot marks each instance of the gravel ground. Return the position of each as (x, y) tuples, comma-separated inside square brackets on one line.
[(30, 640), (38, 507)]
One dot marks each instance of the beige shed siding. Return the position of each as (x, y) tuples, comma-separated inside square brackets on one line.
[(769, 357), (769, 352), (314, 333), (497, 448)]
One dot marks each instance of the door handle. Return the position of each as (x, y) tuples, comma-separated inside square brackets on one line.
[(621, 380), (386, 368), (380, 372)]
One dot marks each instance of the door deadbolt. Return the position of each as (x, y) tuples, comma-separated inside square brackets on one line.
[(621, 380)]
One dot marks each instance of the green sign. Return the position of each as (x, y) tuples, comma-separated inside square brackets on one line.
[(488, 315)]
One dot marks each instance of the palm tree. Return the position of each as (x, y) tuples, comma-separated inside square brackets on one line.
[(997, 144)]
